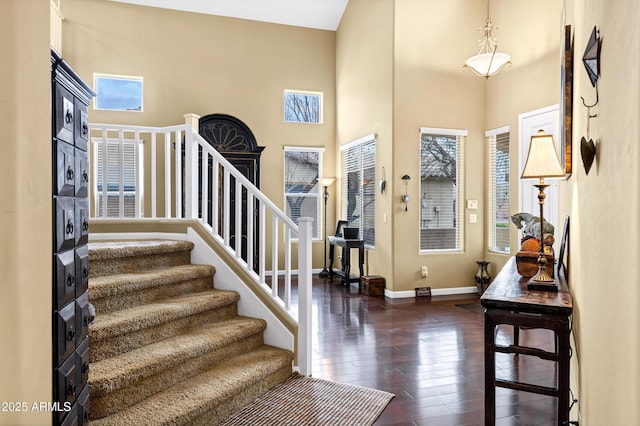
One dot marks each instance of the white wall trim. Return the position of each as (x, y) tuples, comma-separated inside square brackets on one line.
[(434, 292)]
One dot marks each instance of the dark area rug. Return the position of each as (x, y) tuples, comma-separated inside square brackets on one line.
[(304, 400), (473, 307)]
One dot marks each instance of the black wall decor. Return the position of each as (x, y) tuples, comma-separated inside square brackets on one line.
[(236, 142)]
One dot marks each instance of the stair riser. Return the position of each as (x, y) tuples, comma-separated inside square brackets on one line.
[(240, 399), (119, 344), (108, 304), (99, 267), (119, 399)]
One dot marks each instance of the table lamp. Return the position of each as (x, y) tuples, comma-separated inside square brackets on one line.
[(542, 162)]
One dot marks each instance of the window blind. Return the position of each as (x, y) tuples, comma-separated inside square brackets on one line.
[(499, 191), (358, 187), (440, 189), (109, 197)]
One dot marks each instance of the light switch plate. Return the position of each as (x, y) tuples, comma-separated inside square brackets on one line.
[(472, 204)]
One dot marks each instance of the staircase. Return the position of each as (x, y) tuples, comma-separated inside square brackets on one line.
[(166, 347)]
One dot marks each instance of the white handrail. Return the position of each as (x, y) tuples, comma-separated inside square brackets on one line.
[(186, 186)]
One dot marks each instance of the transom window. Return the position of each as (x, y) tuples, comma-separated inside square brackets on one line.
[(302, 107), (440, 189), (118, 92)]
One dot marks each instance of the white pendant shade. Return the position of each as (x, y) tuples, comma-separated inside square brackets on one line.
[(487, 64)]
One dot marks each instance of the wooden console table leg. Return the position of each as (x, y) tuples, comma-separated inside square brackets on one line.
[(361, 259), (489, 370), (563, 349), (332, 248), (346, 265)]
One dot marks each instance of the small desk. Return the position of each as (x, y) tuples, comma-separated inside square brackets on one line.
[(508, 301), (346, 245)]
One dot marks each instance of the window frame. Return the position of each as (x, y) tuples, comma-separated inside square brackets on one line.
[(366, 211), (114, 77), (461, 137), (317, 236), (320, 96), (491, 137)]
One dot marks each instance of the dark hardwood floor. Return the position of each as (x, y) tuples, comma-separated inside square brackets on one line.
[(429, 353)]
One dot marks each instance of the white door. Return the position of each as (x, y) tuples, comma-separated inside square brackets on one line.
[(529, 123)]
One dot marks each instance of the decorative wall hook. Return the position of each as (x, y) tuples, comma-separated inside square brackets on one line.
[(405, 196), (591, 60), (383, 182)]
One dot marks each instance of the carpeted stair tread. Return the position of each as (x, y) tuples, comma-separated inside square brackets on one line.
[(113, 257), (207, 392), (113, 373), (101, 250), (122, 291), (120, 284), (133, 319)]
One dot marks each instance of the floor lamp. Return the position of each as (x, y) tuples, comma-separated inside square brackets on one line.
[(542, 162), (326, 183)]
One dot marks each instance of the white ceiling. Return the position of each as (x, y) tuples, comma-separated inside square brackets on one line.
[(320, 14)]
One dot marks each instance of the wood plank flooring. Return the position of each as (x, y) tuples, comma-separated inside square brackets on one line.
[(429, 353)]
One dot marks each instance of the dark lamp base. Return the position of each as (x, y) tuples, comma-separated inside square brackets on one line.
[(324, 273)]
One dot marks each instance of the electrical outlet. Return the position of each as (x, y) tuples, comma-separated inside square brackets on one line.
[(424, 272), (473, 218)]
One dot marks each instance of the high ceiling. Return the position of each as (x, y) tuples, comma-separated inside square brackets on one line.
[(320, 14)]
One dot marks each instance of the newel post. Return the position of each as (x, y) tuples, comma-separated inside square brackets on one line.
[(304, 295), (190, 166)]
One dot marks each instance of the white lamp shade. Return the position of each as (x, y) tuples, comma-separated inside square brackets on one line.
[(542, 159), (327, 181), (483, 64)]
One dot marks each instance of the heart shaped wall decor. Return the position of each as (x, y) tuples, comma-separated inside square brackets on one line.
[(588, 153)]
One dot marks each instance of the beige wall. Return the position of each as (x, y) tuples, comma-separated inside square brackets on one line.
[(604, 209), (432, 90), (26, 213), (208, 64), (364, 72), (531, 83)]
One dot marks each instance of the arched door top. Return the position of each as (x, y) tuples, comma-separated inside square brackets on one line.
[(228, 134)]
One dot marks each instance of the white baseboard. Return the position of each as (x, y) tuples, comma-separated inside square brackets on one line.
[(434, 292)]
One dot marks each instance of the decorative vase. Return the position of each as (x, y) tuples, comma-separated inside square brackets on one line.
[(482, 276)]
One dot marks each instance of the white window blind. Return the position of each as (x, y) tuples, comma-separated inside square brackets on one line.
[(358, 187), (499, 189), (116, 163), (440, 189)]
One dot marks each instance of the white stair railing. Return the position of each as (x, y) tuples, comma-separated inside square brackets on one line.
[(189, 179)]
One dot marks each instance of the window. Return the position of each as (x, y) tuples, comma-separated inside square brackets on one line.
[(440, 189), (302, 107), (129, 161), (499, 189), (301, 186), (359, 187), (120, 93)]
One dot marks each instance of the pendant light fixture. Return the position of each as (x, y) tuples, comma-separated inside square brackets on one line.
[(488, 61)]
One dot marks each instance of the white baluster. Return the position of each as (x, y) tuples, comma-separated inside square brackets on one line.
[(304, 295), (154, 176)]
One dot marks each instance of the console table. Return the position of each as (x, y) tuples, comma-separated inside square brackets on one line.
[(508, 301), (347, 246)]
